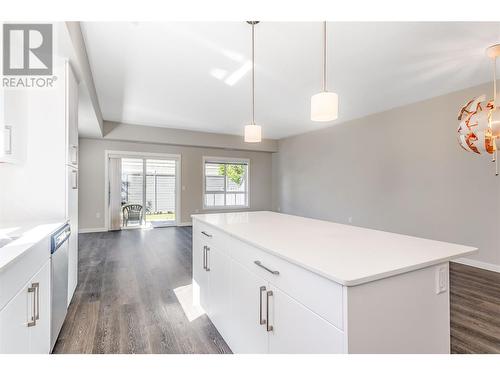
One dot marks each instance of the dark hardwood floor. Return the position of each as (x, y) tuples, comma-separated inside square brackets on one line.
[(125, 300), (475, 310)]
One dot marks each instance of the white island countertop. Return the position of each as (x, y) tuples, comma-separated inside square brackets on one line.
[(345, 254)]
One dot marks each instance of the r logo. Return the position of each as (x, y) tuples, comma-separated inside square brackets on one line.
[(27, 49)]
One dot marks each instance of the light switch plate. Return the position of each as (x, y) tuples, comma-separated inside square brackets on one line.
[(441, 279)]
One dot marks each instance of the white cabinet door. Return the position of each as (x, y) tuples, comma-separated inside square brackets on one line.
[(296, 329), (14, 318), (71, 116), (248, 333), (200, 274), (219, 295), (72, 216), (40, 332), (14, 109)]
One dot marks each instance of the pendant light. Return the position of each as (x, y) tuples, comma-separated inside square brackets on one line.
[(479, 128), (325, 105), (253, 132)]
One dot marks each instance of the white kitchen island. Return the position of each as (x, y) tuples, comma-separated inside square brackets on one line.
[(275, 283)]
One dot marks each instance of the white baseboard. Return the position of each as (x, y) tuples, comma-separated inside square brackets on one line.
[(478, 264), (185, 224), (92, 230)]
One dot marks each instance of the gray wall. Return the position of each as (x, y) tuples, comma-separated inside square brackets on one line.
[(400, 171), (91, 193)]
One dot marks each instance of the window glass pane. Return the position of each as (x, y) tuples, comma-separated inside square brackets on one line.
[(209, 200), (230, 199), (219, 199), (214, 169), (236, 175), (240, 200)]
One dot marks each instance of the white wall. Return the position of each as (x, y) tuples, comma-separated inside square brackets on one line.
[(92, 170), (400, 171)]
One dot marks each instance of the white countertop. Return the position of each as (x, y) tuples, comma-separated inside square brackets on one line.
[(345, 254), (29, 234)]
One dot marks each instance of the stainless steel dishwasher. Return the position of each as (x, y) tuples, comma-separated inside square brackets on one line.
[(59, 275)]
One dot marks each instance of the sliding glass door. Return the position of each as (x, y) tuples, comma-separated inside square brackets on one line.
[(148, 193)]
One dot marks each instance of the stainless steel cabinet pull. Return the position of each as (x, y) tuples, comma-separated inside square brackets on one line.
[(32, 323), (37, 291), (206, 234), (269, 327), (208, 259), (75, 180), (261, 320), (204, 257), (259, 263), (74, 156)]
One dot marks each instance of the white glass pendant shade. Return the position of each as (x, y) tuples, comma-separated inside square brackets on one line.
[(495, 121), (324, 106), (253, 133)]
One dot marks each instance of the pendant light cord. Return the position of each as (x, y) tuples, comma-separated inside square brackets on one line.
[(495, 82), (324, 56), (253, 74)]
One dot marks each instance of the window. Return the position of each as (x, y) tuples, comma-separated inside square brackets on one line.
[(225, 183)]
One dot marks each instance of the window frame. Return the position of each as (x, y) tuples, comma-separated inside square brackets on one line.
[(227, 160)]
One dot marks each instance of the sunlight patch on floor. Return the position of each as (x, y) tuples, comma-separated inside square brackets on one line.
[(184, 295)]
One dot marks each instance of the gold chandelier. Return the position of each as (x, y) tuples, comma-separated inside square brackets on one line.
[(479, 119)]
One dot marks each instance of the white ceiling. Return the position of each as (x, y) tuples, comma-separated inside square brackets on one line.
[(185, 75)]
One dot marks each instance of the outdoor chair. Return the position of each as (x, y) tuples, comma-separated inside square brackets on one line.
[(132, 212)]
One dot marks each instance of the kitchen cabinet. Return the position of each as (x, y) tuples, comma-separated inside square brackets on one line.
[(14, 112), (200, 274), (25, 320), (218, 268), (248, 295)]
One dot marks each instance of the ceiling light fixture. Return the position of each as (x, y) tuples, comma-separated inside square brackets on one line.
[(479, 119), (324, 105), (253, 133)]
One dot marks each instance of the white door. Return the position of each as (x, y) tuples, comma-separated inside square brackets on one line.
[(40, 333), (200, 274), (297, 329), (14, 318), (219, 295), (248, 290)]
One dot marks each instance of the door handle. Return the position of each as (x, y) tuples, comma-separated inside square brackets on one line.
[(32, 323), (208, 259), (269, 327), (261, 320), (259, 263)]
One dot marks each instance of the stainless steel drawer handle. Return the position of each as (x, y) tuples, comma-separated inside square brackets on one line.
[(206, 234), (32, 323), (37, 291), (269, 327), (204, 257), (259, 263), (261, 320), (208, 266)]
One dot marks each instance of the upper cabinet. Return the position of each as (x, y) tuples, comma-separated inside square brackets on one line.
[(71, 117), (14, 115)]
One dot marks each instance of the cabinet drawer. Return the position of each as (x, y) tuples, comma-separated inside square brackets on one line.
[(210, 236), (14, 276), (318, 294)]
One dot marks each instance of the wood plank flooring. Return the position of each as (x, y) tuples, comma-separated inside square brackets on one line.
[(125, 300), (475, 310)]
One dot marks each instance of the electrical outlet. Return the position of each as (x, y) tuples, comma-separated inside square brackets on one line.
[(349, 219), (98, 215), (441, 279)]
